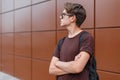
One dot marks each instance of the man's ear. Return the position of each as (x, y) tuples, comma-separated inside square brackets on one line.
[(73, 18)]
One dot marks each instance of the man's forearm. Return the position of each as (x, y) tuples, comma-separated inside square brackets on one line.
[(57, 71), (66, 66), (53, 69)]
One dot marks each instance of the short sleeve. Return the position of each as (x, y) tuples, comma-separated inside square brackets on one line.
[(56, 52), (87, 44)]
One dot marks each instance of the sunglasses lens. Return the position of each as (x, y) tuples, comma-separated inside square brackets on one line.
[(63, 14)]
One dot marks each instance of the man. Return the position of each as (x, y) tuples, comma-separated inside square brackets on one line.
[(69, 62)]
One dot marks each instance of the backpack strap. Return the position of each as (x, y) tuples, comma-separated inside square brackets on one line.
[(81, 37), (60, 43)]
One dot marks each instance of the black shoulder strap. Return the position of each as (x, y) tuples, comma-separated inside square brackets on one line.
[(60, 43), (81, 37)]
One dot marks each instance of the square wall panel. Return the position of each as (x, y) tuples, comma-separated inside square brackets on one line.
[(7, 22), (8, 43), (22, 3), (107, 49), (23, 20), (43, 16), (8, 63), (108, 75), (23, 68), (87, 4), (23, 44), (40, 70), (107, 15), (43, 44), (7, 5)]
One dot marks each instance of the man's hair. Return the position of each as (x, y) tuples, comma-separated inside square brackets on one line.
[(77, 10)]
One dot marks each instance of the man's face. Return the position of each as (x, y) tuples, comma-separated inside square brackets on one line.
[(65, 19)]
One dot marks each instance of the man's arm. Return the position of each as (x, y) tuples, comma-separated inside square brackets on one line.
[(75, 66), (53, 69)]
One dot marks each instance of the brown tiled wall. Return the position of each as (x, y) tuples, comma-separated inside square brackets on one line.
[(107, 39), (29, 31)]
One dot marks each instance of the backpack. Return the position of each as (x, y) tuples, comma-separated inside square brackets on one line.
[(91, 65)]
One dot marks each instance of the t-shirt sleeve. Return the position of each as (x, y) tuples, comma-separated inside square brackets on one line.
[(87, 44), (56, 52)]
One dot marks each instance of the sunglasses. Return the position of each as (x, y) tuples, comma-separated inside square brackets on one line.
[(65, 14)]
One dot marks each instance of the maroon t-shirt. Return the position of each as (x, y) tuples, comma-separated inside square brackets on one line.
[(70, 48)]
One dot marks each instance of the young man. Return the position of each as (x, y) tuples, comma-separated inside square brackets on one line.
[(69, 62)]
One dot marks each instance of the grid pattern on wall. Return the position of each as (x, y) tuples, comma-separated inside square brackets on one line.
[(29, 31)]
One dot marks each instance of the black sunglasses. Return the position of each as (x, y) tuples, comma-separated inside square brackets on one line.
[(65, 14)]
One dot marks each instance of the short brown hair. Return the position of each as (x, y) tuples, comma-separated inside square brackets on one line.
[(77, 10)]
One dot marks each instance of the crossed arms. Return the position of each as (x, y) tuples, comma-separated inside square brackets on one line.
[(58, 67)]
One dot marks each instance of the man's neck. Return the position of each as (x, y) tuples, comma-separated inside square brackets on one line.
[(73, 31)]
